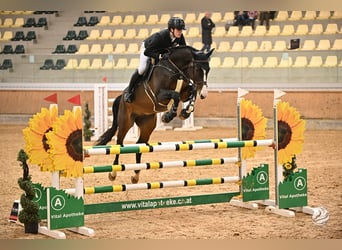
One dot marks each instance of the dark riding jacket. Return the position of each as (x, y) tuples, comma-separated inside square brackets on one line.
[(158, 43)]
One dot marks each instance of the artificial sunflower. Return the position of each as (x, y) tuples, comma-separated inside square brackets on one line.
[(290, 132), (35, 137), (65, 142), (253, 126)]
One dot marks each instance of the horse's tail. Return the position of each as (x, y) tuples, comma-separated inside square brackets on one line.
[(108, 135)]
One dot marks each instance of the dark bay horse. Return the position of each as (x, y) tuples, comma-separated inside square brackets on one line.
[(179, 78)]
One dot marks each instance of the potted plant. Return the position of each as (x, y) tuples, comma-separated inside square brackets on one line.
[(88, 133), (29, 215)]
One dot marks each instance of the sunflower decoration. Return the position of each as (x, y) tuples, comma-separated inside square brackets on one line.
[(36, 144), (253, 126), (289, 167), (290, 132), (65, 142)]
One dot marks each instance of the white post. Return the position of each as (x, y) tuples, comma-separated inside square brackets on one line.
[(100, 109)]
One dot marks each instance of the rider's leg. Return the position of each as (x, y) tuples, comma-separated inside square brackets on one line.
[(136, 77)]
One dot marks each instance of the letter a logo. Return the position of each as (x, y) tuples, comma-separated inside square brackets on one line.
[(57, 202)]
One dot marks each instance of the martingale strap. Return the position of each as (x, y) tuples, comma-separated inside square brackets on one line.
[(157, 106)]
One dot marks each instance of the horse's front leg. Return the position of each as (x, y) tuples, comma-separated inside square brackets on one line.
[(172, 96), (185, 113)]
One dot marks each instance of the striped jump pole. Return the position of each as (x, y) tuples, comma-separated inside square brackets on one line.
[(117, 149), (159, 185), (158, 165)]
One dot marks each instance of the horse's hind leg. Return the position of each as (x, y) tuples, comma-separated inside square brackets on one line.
[(146, 125)]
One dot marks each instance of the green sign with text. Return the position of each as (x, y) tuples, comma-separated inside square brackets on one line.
[(40, 198), (65, 210), (255, 185), (293, 190)]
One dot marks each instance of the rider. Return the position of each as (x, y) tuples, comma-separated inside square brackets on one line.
[(155, 47)]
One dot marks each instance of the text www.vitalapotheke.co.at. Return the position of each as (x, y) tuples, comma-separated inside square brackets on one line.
[(169, 202)]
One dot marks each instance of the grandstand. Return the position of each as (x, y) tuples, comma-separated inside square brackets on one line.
[(89, 34), (91, 45)]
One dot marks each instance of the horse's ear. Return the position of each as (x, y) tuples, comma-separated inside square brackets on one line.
[(210, 52)]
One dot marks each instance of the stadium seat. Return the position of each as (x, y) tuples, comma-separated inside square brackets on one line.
[(279, 45), (60, 64), (337, 14), (323, 44), (233, 31), (104, 21), (251, 46), (215, 16), (310, 15), (285, 62), (242, 62), (228, 62), (270, 62), (71, 49), (7, 49), (96, 63), (42, 22), (224, 46), (259, 31), (295, 15), (93, 20), (190, 18), (257, 62), (105, 34), (122, 63), (274, 30), (215, 62), (133, 63), (152, 19), (118, 34), (237, 46), (19, 35), (82, 34), (323, 15), (133, 48), (60, 48), (128, 20), (300, 62), (197, 45), (116, 20), (84, 64), (30, 36), (315, 62), (316, 29), (94, 34), (228, 16), (131, 33), (71, 64), (81, 21), (141, 19), (108, 48), (48, 64), (309, 45), (19, 22), (142, 34), (330, 61), (6, 64), (71, 35), (265, 46), (288, 30), (282, 16), (337, 45), (193, 32), (19, 49), (120, 48), (7, 36), (302, 29), (95, 49), (246, 31), (83, 49), (108, 64), (331, 29), (164, 18), (8, 22), (219, 32)]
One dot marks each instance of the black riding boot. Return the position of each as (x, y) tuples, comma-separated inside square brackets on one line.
[(128, 97)]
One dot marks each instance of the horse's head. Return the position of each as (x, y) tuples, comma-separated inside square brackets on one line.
[(201, 70)]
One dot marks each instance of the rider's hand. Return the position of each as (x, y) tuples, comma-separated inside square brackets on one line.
[(163, 56)]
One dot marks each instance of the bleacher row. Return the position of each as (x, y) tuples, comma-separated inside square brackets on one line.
[(108, 40)]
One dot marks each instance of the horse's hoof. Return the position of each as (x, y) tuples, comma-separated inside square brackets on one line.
[(134, 179), (112, 176), (184, 114)]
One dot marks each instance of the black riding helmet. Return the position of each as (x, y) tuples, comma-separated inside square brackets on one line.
[(176, 23)]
